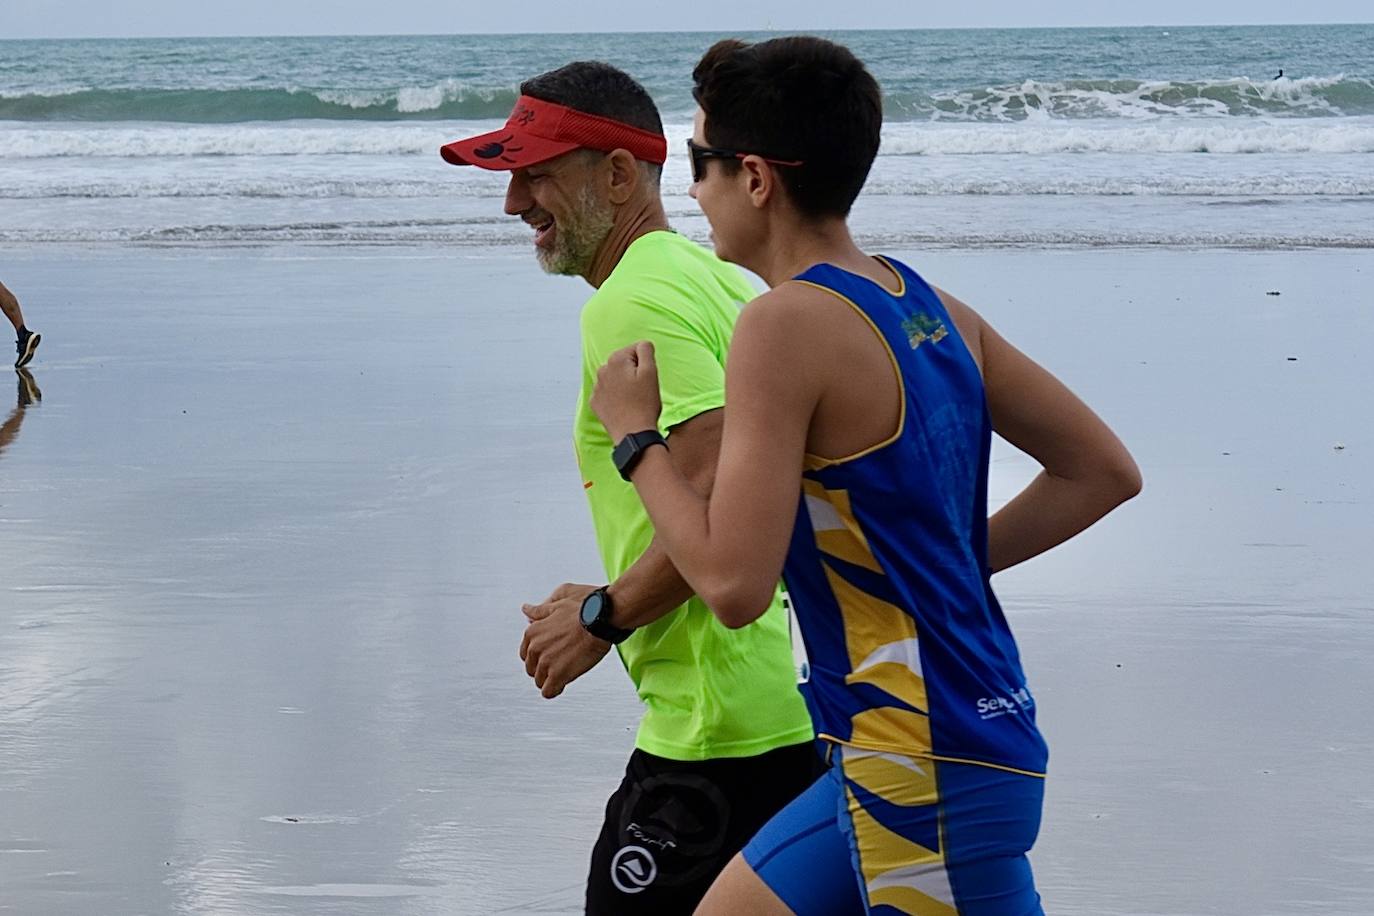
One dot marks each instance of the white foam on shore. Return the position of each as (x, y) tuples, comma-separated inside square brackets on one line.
[(310, 138), (252, 139), (1349, 135)]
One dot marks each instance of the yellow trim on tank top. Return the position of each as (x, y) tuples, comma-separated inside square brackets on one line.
[(901, 278), (817, 462), (919, 755)]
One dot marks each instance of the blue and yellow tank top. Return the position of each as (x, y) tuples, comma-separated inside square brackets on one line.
[(907, 648)]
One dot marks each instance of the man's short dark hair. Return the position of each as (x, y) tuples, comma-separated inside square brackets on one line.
[(598, 88), (795, 98)]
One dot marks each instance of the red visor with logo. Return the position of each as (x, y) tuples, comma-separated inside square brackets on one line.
[(537, 131)]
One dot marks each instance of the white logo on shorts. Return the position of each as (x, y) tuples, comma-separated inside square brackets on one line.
[(633, 869)]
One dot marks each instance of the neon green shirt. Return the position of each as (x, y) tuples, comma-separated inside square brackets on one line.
[(708, 691)]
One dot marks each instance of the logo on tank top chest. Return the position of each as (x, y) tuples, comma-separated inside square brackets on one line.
[(920, 328)]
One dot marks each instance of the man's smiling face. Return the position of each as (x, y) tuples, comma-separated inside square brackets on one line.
[(559, 200)]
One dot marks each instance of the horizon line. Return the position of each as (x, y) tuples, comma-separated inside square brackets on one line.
[(764, 31)]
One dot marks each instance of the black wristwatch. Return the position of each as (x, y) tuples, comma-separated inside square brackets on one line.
[(596, 617), (629, 450)]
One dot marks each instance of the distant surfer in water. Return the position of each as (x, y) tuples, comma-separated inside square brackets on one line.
[(1280, 76)]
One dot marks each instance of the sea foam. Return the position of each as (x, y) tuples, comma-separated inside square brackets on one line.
[(311, 138)]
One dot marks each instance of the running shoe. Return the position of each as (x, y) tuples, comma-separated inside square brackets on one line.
[(26, 345)]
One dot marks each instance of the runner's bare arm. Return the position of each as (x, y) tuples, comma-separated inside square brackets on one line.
[(555, 647), (1087, 470), (652, 586), (729, 547)]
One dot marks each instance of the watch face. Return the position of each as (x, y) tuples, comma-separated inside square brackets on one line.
[(591, 607)]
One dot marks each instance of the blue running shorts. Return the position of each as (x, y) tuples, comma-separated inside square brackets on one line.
[(885, 834)]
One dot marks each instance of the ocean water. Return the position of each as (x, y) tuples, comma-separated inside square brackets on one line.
[(1142, 136)]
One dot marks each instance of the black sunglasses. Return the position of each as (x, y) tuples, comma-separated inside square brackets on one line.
[(699, 155)]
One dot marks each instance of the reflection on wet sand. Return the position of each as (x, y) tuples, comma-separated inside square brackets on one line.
[(28, 396)]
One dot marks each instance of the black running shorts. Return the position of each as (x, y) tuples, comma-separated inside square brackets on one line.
[(673, 825)]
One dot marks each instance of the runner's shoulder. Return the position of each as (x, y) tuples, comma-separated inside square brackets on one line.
[(797, 312), (794, 293), (692, 292)]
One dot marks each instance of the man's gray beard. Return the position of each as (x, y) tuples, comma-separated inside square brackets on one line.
[(578, 241)]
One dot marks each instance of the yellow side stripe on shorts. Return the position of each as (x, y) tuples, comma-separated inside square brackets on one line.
[(898, 871)]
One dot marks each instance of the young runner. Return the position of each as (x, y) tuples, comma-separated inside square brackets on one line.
[(859, 412), (725, 741)]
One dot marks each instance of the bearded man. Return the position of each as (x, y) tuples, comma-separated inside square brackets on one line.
[(725, 740)]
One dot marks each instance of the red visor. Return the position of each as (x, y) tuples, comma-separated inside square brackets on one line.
[(537, 131)]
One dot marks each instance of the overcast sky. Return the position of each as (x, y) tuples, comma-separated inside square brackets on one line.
[(129, 18)]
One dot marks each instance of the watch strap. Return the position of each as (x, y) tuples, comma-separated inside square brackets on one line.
[(631, 449), (601, 626)]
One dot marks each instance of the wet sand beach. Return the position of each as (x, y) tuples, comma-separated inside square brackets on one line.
[(264, 539)]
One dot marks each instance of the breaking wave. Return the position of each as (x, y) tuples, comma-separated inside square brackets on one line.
[(1326, 96), (1268, 135), (1068, 100)]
